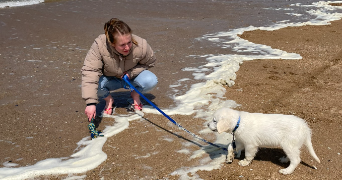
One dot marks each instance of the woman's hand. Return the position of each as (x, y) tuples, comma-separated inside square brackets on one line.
[(90, 111), (125, 73)]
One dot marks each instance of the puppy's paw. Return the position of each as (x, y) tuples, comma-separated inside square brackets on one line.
[(230, 158), (284, 160), (230, 155), (285, 171), (244, 162), (229, 161)]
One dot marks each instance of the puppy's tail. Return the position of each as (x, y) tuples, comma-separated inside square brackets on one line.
[(308, 144)]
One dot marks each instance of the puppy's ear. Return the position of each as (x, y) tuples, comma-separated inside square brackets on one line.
[(222, 125)]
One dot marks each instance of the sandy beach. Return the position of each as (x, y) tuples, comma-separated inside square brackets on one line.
[(42, 51)]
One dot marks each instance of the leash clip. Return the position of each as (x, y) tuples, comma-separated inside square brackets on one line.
[(233, 133), (233, 142)]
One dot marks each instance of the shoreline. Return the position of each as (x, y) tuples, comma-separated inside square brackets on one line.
[(252, 91), (260, 81)]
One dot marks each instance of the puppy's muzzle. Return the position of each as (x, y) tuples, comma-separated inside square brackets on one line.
[(211, 128)]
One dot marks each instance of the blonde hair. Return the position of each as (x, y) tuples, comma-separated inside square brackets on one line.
[(116, 27)]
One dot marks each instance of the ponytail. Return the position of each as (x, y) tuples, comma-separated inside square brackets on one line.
[(116, 27)]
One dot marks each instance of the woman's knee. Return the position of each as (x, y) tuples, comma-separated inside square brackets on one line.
[(147, 81), (102, 91)]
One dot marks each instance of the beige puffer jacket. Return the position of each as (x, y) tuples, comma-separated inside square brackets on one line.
[(103, 59)]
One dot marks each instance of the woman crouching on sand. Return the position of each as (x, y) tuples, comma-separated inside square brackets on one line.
[(114, 54)]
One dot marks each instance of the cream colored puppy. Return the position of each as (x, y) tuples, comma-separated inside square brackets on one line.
[(256, 130)]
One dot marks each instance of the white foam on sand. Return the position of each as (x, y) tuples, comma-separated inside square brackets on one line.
[(88, 157), (19, 3), (209, 94)]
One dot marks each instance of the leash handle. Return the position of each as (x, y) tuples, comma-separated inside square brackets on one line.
[(126, 79), (93, 132)]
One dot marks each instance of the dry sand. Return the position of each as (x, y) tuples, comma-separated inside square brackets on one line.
[(37, 128)]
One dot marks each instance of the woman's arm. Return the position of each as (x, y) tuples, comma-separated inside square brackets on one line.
[(91, 72), (145, 63)]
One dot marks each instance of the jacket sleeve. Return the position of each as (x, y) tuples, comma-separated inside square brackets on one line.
[(91, 72), (146, 62)]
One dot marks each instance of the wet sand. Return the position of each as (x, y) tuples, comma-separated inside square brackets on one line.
[(43, 114)]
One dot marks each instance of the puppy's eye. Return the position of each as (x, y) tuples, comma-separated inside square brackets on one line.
[(214, 120)]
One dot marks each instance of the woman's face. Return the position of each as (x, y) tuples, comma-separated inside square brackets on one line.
[(123, 44)]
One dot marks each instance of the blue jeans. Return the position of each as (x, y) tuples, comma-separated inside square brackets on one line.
[(144, 82)]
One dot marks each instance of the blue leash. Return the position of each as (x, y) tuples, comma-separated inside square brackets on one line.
[(126, 79)]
